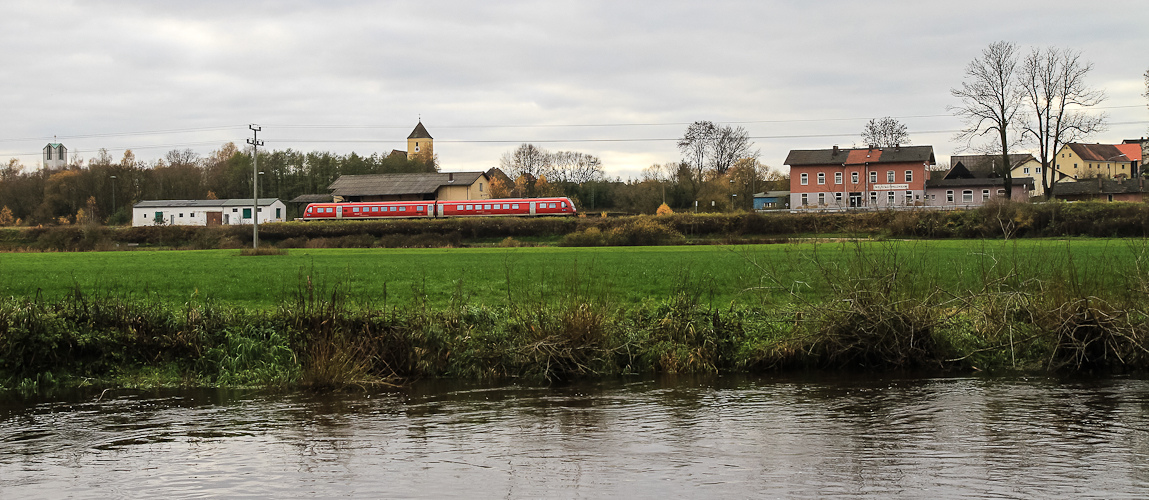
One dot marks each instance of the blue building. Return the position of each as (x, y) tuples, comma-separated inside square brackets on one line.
[(772, 200)]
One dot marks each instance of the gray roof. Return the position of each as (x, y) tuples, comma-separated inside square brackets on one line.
[(1098, 186), (313, 198), (840, 156), (420, 132), (237, 202), (398, 184), (983, 165), (772, 194)]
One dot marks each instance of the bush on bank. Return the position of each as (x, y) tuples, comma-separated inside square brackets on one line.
[(1002, 220)]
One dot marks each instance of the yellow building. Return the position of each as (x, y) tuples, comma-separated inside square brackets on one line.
[(420, 145), (1085, 161)]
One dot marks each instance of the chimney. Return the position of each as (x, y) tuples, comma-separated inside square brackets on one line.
[(835, 153), (450, 177)]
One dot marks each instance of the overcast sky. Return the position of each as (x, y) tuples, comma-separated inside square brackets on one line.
[(620, 80)]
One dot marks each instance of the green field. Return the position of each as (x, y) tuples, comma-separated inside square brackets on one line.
[(719, 275)]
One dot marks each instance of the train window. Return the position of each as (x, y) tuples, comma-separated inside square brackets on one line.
[(355, 209), (392, 209), (470, 207), (486, 207), (308, 209), (506, 206), (419, 208), (563, 204), (514, 206), (402, 209), (552, 205)]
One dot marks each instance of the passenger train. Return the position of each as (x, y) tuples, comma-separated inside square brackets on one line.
[(374, 210)]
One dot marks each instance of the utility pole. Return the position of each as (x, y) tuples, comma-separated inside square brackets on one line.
[(113, 196), (255, 144)]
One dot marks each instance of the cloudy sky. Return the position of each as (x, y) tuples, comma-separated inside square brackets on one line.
[(620, 79)]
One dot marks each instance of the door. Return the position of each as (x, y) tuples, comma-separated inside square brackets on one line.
[(532, 208), (855, 200), (338, 211), (215, 218), (226, 219)]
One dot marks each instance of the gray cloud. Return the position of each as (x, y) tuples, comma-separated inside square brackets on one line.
[(84, 68)]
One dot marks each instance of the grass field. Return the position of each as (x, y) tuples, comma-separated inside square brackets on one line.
[(719, 275)]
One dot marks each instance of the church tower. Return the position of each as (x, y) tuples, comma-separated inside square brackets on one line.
[(55, 155), (420, 145)]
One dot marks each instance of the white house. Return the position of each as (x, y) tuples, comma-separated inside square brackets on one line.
[(206, 212)]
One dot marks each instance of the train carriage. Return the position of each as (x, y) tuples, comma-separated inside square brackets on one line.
[(510, 207)]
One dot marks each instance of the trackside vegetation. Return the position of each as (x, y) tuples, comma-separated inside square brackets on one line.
[(957, 306)]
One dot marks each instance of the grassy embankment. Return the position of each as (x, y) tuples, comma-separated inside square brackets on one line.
[(337, 316)]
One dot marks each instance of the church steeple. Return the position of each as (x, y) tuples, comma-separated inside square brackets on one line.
[(420, 144)]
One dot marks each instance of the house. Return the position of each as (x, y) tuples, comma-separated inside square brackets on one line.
[(55, 155), (206, 212), (1102, 189), (962, 187), (1022, 165), (1112, 161), (405, 187), (873, 177), (772, 200)]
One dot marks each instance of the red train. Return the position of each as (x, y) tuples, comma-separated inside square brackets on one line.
[(509, 207)]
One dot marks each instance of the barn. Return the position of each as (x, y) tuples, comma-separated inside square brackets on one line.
[(442, 186), (206, 212)]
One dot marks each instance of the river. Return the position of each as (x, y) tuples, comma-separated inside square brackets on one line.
[(669, 437)]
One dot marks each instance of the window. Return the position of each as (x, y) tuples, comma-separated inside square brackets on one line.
[(1001, 192), (480, 187), (873, 196), (1025, 170), (236, 210), (854, 177), (508, 205), (949, 196), (552, 205), (873, 177), (805, 198), (416, 147), (356, 209), (470, 207), (804, 179), (909, 197), (419, 208), (889, 176), (181, 215), (402, 209), (392, 209), (278, 213), (486, 207), (191, 214), (821, 198), (308, 209), (838, 198), (1037, 170), (821, 178), (967, 196), (837, 177), (909, 176), (890, 194), (247, 213), (984, 194), (260, 209), (514, 206), (562, 204)]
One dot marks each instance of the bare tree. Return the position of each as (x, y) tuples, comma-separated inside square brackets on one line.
[(1146, 94), (885, 133), (527, 159), (182, 158), (731, 144), (990, 99), (572, 166), (707, 145), (1054, 83), (695, 144)]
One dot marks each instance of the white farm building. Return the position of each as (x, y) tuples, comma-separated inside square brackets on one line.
[(206, 212)]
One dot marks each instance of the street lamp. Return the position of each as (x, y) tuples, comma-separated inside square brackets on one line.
[(113, 196)]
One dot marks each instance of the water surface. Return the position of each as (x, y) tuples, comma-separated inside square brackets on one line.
[(777, 437)]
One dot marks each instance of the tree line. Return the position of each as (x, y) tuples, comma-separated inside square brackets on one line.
[(104, 190)]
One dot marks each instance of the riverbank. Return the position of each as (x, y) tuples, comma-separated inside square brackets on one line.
[(846, 306)]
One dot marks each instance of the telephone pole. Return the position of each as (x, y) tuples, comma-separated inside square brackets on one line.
[(255, 144)]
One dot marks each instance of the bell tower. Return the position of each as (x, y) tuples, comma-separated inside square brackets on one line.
[(420, 145)]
